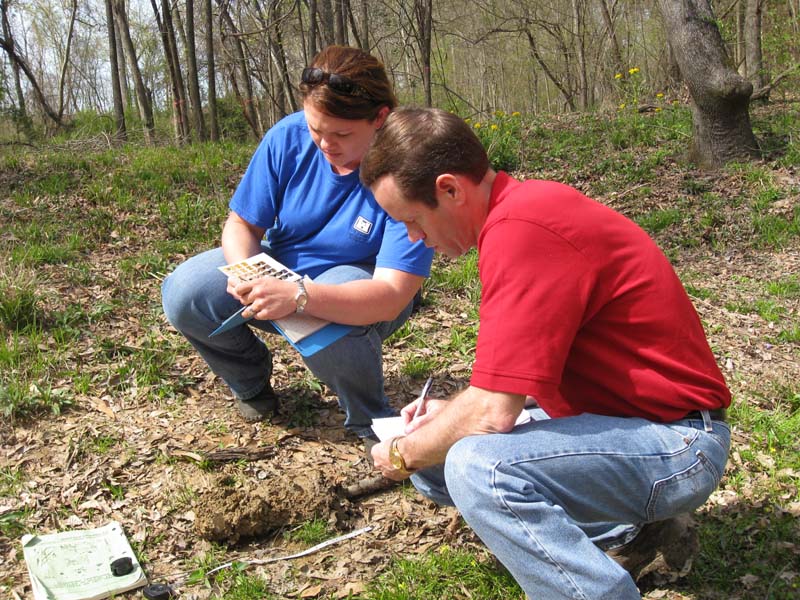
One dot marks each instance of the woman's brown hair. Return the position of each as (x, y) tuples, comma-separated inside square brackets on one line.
[(362, 69)]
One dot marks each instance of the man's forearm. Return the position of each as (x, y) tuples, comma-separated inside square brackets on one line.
[(472, 412)]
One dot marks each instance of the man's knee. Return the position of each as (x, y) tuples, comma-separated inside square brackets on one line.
[(467, 473)]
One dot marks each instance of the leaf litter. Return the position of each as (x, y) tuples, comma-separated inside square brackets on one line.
[(189, 479)]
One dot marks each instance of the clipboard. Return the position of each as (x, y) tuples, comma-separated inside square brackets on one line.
[(305, 333)]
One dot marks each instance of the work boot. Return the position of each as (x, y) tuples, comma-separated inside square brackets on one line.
[(259, 407), (662, 551)]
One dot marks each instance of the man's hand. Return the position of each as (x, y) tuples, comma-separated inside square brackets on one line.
[(380, 456), (428, 412)]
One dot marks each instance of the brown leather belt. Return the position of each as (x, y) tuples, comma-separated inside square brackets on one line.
[(718, 414)]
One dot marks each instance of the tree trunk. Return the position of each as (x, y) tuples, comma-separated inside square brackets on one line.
[(423, 12), (611, 32), (364, 26), (246, 99), (142, 95), (279, 58), (194, 84), (180, 121), (119, 108), (212, 73), (22, 113), (62, 78), (325, 22), (340, 22), (313, 29), (578, 44), (754, 72), (720, 96), (121, 63), (7, 44), (566, 92)]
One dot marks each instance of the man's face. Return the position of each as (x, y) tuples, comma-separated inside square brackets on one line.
[(343, 141), (443, 228)]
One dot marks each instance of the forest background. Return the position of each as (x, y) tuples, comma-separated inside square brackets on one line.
[(125, 127)]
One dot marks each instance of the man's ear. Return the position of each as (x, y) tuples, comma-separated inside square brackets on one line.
[(448, 187), (380, 118)]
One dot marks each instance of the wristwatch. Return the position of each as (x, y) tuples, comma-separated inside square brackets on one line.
[(397, 459), (301, 297)]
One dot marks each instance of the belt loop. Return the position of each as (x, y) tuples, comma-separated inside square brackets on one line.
[(706, 421)]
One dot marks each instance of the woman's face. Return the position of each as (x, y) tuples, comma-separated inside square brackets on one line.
[(343, 141)]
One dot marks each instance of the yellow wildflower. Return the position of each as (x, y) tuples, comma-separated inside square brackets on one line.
[(467, 120), (618, 76), (493, 127), (658, 109), (633, 70), (659, 95), (477, 126), (621, 106), (499, 113), (676, 102), (516, 113)]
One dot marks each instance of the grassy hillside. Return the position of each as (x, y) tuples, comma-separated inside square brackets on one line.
[(108, 413)]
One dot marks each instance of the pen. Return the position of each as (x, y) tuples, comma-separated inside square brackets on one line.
[(421, 397)]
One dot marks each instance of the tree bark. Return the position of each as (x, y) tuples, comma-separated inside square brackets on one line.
[(313, 29), (579, 45), (7, 44), (340, 22), (22, 113), (194, 83), (145, 106), (720, 96), (326, 28), (754, 71), (246, 99), (611, 32), (423, 13), (180, 120), (119, 108), (62, 78), (213, 120)]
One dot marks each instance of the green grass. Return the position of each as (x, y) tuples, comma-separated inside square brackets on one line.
[(444, 574), (311, 532)]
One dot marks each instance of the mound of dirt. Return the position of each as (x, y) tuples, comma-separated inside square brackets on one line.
[(252, 509)]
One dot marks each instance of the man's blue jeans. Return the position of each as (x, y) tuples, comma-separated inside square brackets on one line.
[(195, 301), (550, 496)]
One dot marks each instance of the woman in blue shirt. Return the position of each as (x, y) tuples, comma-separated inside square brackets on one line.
[(300, 201)]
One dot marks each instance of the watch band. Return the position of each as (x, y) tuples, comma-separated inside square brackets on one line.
[(397, 460), (301, 297)]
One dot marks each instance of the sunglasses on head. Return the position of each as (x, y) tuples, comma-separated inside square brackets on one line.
[(338, 83)]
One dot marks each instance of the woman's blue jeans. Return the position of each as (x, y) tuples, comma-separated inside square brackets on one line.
[(195, 302), (550, 496)]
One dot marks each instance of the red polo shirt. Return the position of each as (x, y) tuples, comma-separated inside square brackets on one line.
[(581, 310)]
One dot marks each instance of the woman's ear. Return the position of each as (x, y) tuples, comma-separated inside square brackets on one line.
[(380, 118)]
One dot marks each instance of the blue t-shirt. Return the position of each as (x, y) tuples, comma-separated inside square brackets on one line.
[(316, 219)]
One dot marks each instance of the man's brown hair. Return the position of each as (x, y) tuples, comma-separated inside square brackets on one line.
[(416, 145), (363, 70)]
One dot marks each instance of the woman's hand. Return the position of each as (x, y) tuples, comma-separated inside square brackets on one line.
[(266, 298)]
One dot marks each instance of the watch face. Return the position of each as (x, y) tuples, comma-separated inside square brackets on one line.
[(395, 459)]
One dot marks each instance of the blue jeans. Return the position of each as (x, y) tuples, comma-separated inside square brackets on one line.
[(550, 496), (195, 302)]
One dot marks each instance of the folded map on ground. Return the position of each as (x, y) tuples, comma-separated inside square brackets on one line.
[(76, 565)]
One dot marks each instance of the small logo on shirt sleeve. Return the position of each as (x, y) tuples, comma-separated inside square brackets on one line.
[(362, 225)]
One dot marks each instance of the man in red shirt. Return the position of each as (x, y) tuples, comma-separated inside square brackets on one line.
[(582, 314)]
